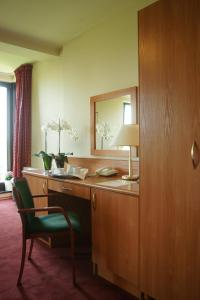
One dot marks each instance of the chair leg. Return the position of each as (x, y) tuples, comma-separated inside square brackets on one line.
[(22, 261), (72, 248), (30, 250)]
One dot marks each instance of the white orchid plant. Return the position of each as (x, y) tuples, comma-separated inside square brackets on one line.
[(62, 125), (59, 126)]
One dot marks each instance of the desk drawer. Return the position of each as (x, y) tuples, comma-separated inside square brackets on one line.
[(69, 188)]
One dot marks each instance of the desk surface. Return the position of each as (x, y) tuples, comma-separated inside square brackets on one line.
[(113, 183)]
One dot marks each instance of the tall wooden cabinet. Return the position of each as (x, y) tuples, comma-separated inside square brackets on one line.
[(169, 80)]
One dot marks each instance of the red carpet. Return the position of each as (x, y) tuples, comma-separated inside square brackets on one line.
[(48, 276)]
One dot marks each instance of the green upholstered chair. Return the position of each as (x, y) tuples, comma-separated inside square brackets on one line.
[(58, 222)]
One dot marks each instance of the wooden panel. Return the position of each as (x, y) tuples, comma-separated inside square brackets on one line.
[(69, 188), (38, 186), (115, 234), (169, 48), (95, 163)]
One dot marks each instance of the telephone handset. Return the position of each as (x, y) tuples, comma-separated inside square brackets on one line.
[(106, 171)]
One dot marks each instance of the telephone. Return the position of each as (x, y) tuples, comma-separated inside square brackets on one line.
[(106, 171)]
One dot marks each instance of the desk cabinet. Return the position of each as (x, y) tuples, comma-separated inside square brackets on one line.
[(38, 186), (115, 237)]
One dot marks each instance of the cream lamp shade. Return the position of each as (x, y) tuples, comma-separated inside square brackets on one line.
[(128, 135)]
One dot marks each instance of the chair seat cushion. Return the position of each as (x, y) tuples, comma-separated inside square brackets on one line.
[(54, 223)]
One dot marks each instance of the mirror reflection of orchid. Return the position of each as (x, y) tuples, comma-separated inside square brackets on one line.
[(104, 131), (61, 157)]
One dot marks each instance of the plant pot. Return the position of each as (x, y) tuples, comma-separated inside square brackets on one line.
[(60, 160), (47, 161)]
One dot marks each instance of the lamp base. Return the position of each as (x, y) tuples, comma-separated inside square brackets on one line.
[(130, 177)]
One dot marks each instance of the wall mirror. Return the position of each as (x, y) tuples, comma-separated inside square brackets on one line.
[(108, 112)]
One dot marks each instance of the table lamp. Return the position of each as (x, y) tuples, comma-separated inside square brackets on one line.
[(128, 135)]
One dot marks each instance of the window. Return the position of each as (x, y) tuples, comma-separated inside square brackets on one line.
[(7, 96), (127, 113), (3, 130)]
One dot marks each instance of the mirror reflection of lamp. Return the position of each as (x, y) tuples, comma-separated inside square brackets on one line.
[(128, 135)]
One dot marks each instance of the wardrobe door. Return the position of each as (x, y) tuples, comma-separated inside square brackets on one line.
[(169, 80)]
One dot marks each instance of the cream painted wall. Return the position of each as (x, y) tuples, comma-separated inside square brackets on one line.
[(101, 60), (7, 77)]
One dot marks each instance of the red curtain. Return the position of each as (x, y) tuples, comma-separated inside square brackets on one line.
[(22, 128)]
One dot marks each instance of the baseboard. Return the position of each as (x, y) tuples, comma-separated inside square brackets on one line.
[(5, 195)]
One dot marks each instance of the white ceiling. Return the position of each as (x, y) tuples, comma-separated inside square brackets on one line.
[(31, 30)]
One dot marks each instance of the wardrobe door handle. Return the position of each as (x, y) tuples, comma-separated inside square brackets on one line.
[(195, 156)]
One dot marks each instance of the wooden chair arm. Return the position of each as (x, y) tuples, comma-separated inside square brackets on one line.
[(50, 208)]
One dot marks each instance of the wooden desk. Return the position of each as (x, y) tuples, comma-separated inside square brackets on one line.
[(114, 221)]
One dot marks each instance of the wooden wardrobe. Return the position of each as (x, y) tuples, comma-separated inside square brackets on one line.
[(169, 81)]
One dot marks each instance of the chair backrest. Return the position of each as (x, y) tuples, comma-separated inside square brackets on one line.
[(22, 195)]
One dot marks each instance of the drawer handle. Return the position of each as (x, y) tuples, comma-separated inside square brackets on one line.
[(44, 187), (94, 203), (66, 189)]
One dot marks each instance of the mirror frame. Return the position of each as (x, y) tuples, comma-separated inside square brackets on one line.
[(133, 92)]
